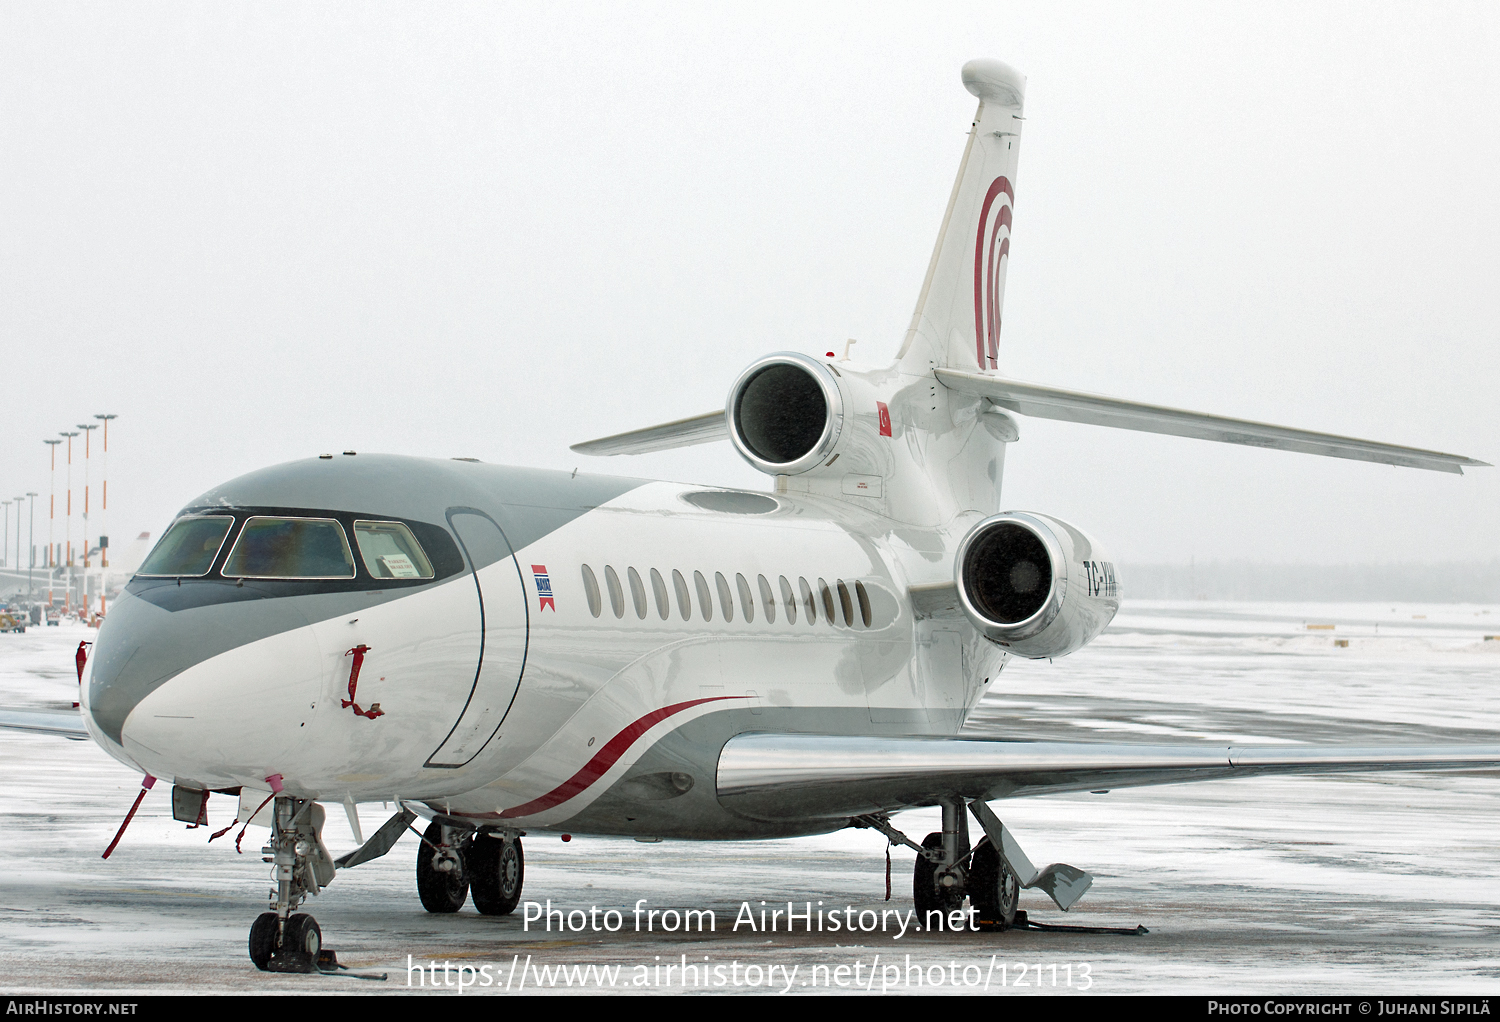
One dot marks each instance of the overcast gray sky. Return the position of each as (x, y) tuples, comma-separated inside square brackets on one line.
[(258, 232)]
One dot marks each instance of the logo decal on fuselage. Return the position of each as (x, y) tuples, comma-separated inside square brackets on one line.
[(543, 588), (991, 246)]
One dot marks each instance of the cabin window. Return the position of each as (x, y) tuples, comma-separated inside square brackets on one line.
[(591, 590), (828, 614), (290, 548), (808, 601), (767, 598), (747, 601), (616, 594), (189, 547), (659, 590), (705, 598), (684, 599), (389, 550), (789, 601), (637, 593), (726, 599), (864, 602), (845, 604)]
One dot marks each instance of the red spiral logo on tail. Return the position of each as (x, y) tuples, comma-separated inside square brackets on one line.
[(991, 246)]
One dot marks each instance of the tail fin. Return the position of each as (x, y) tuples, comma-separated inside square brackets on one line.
[(957, 320)]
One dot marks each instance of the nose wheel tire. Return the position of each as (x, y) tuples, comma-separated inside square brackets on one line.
[(303, 934), (263, 939), (303, 937), (994, 888), (442, 890), (497, 869)]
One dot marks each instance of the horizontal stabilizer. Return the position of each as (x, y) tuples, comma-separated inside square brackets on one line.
[(791, 776), (1092, 409), (699, 429), (65, 723)]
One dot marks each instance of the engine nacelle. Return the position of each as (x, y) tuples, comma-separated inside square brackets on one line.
[(785, 413), (1035, 585)]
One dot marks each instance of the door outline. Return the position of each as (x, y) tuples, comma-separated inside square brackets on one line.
[(483, 639)]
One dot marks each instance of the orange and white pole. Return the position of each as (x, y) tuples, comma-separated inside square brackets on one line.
[(51, 519), (104, 494), (68, 526)]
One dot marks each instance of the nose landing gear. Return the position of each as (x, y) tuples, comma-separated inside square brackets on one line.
[(284, 940)]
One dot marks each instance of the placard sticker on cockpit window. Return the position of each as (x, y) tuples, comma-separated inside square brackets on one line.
[(400, 566)]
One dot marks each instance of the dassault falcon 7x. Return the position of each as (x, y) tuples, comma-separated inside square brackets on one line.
[(502, 650)]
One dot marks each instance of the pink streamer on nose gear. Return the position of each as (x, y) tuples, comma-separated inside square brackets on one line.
[(147, 783), (358, 652)]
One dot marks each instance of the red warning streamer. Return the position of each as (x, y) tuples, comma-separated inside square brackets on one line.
[(358, 652), (146, 783)]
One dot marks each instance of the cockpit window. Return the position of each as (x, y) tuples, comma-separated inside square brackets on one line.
[(290, 548), (189, 547), (389, 550)]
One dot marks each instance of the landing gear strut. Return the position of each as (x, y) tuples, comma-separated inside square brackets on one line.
[(940, 879), (284, 940)]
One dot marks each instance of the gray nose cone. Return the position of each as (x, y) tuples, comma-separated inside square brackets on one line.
[(160, 631)]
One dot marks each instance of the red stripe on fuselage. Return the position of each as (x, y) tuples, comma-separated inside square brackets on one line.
[(604, 759)]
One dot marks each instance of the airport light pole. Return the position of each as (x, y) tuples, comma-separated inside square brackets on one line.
[(51, 520), (68, 528), (19, 501), (104, 495), (5, 547), (17, 569), (88, 434), (31, 543)]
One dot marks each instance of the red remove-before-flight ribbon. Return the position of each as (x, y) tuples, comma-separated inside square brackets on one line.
[(358, 652)]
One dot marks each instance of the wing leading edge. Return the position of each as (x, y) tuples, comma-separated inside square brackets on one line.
[(66, 723), (789, 776)]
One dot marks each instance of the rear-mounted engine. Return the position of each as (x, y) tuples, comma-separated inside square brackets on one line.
[(1035, 585), (785, 413)]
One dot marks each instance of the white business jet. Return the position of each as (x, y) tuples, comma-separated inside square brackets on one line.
[(502, 650)]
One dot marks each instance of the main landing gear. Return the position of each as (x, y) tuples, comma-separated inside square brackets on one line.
[(989, 875), (948, 871), (453, 864), (283, 939)]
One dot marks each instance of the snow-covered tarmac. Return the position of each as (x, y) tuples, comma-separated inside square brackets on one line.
[(1387, 883)]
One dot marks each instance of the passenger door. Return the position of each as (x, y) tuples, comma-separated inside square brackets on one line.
[(503, 636)]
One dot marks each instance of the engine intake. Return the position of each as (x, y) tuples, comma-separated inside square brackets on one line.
[(1034, 584), (785, 413)]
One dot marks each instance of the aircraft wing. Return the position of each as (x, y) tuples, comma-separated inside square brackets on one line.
[(697, 429), (67, 723), (1092, 409), (797, 776)]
